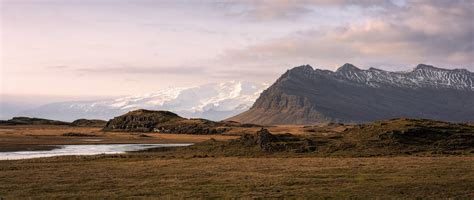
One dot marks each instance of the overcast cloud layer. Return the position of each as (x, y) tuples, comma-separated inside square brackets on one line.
[(120, 47)]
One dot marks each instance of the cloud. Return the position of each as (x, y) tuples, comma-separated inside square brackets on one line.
[(178, 70), (244, 74), (58, 67), (283, 9), (437, 32)]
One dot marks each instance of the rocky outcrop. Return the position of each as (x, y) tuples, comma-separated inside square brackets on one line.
[(267, 142), (304, 95), (264, 139), (141, 120), (163, 122), (191, 126)]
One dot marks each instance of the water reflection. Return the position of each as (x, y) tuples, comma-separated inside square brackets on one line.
[(92, 149)]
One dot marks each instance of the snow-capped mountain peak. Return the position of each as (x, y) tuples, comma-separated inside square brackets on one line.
[(215, 101), (422, 76)]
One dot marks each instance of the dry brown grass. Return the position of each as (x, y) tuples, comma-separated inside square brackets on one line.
[(293, 129), (229, 177), (24, 137), (198, 172)]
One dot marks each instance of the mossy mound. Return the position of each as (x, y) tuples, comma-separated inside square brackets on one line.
[(162, 122), (409, 136)]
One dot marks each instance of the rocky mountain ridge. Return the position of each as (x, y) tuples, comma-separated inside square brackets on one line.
[(421, 76), (304, 95)]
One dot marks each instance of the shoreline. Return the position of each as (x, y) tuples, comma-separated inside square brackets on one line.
[(84, 150), (38, 138)]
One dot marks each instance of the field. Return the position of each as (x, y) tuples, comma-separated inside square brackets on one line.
[(148, 176), (34, 137), (221, 169)]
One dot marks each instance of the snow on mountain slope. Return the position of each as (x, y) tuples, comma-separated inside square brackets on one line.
[(211, 101), (421, 76), (304, 95)]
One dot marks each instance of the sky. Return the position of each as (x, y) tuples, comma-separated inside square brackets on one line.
[(120, 47)]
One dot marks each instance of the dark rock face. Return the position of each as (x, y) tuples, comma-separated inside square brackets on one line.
[(162, 122), (32, 121), (141, 120), (264, 139), (268, 142), (198, 126), (304, 95)]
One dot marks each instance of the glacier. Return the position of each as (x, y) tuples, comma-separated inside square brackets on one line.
[(214, 101)]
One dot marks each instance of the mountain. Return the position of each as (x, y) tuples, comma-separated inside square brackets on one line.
[(304, 95), (211, 101)]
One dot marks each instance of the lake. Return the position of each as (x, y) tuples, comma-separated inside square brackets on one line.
[(89, 149)]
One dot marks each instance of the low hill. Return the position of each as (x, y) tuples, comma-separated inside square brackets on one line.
[(89, 122), (410, 136), (391, 137), (32, 121), (163, 122)]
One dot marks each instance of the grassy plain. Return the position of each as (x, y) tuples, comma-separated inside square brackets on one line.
[(219, 169), (147, 175)]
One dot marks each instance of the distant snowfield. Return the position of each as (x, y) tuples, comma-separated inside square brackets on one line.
[(215, 101), (93, 149)]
